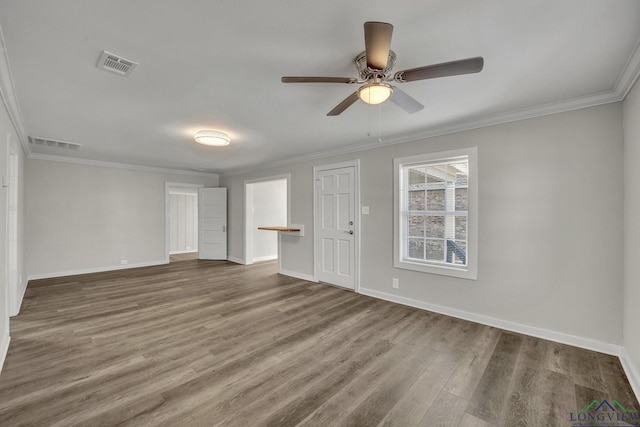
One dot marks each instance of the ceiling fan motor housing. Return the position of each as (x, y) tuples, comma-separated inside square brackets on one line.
[(366, 73)]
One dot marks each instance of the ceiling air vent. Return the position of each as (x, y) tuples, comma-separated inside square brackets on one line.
[(55, 144), (116, 64)]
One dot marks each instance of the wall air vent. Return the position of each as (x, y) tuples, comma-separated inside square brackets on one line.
[(116, 64), (55, 144)]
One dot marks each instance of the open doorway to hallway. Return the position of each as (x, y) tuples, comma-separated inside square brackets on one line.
[(182, 221), (266, 205)]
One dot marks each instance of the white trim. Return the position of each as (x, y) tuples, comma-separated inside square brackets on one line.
[(4, 348), (297, 275), (167, 208), (629, 74), (96, 270), (114, 165), (486, 121), (471, 270), (520, 328), (188, 251), (633, 374), (357, 216), (12, 276), (280, 249), (178, 190), (236, 260), (23, 286), (9, 98), (248, 216), (265, 258)]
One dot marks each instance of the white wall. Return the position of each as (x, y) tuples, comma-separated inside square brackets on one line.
[(550, 220), (89, 218), (269, 209), (632, 235)]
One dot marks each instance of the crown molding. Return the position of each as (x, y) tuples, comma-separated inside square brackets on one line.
[(629, 74), (114, 165), (9, 99), (491, 120)]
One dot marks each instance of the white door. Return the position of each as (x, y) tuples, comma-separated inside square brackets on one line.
[(212, 223), (335, 213)]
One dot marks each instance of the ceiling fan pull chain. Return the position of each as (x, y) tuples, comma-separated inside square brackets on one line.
[(370, 120), (379, 122)]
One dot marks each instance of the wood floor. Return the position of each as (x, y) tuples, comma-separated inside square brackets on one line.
[(207, 343), (184, 257)]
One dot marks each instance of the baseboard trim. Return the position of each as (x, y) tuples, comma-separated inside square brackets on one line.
[(589, 344), (190, 251), (4, 348), (265, 258), (633, 375), (236, 260), (96, 270), (297, 275), (20, 298)]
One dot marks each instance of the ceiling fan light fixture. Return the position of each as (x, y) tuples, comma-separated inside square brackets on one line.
[(212, 138), (375, 93)]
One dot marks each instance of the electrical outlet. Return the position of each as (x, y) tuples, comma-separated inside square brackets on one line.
[(395, 283), (124, 261)]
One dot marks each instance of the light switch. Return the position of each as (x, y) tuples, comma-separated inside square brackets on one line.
[(365, 210)]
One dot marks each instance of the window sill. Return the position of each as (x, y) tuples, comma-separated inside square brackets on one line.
[(442, 270)]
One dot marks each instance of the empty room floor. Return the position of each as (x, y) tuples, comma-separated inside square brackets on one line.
[(206, 343)]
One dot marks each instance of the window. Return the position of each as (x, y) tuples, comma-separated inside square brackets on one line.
[(436, 213)]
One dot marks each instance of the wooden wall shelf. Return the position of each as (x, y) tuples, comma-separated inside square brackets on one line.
[(281, 229)]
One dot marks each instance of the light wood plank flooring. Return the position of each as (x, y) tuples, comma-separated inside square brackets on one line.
[(207, 343)]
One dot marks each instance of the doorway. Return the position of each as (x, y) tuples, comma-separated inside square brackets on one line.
[(181, 204), (266, 204), (337, 224)]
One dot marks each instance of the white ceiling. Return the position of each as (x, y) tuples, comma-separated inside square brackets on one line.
[(217, 65)]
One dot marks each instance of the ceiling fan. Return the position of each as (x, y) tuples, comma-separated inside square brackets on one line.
[(374, 67)]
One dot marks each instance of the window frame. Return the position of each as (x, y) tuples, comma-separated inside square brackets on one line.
[(400, 234)]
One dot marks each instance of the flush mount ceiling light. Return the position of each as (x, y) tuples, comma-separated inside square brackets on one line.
[(212, 137), (375, 93)]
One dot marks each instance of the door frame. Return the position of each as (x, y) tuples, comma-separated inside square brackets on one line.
[(357, 212), (13, 278), (248, 215), (167, 223)]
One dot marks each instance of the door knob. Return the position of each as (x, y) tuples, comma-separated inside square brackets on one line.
[(350, 231)]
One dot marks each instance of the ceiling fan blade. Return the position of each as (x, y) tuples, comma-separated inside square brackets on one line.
[(377, 40), (453, 68), (348, 101), (405, 101), (290, 79)]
